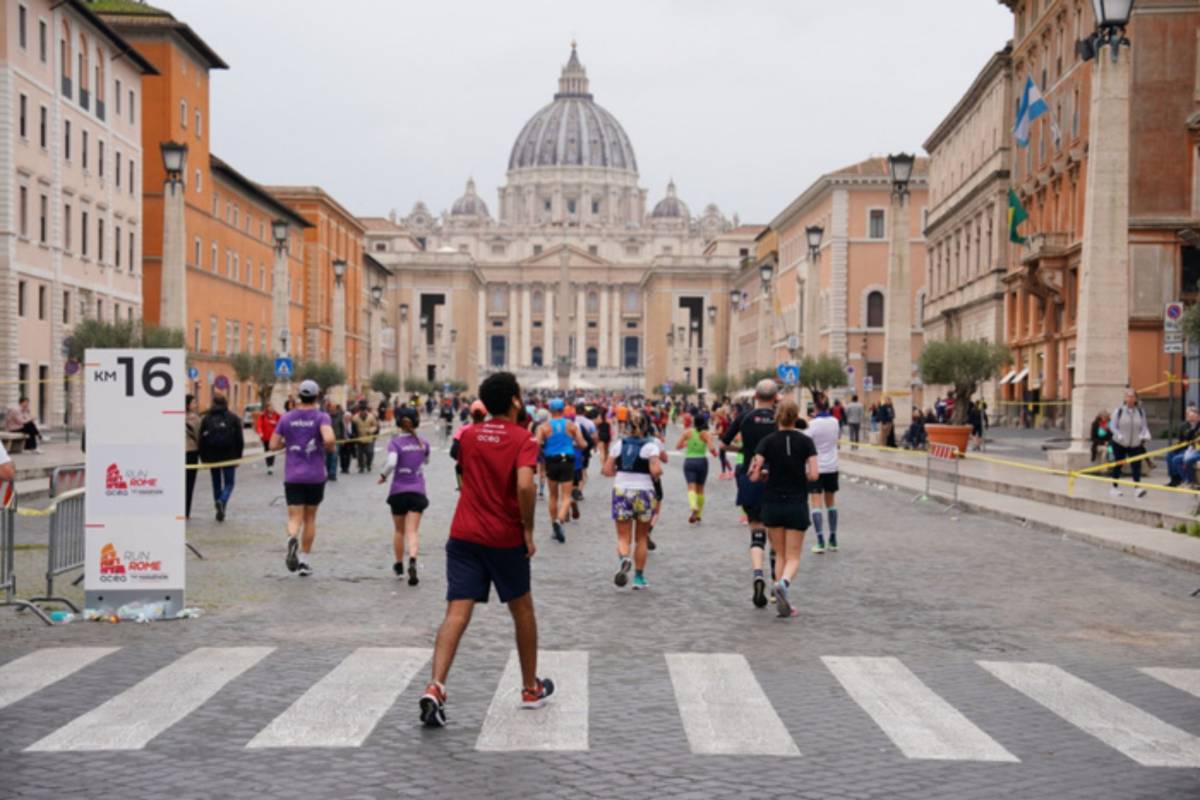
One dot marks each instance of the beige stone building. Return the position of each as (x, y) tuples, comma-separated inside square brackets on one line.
[(574, 281), (966, 230)]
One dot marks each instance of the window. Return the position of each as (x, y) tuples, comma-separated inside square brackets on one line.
[(213, 265), (237, 268), (100, 158), (22, 14), (117, 246), (199, 184), (67, 227), (497, 350), (66, 308), (212, 335), (249, 337), (43, 219), (1075, 113), (100, 239), (83, 148), (83, 234), (536, 358), (196, 337), (41, 302), (117, 171), (381, 247), (632, 301), (199, 129), (537, 249), (595, 206), (228, 337), (67, 139), (42, 132), (571, 206), (20, 298), (546, 204), (593, 358), (131, 183), (876, 224), (132, 255), (131, 107), (875, 309), (262, 276), (537, 302), (24, 115), (196, 251), (42, 35), (593, 250), (593, 303), (875, 372), (23, 212), (183, 115), (631, 351), (117, 94)]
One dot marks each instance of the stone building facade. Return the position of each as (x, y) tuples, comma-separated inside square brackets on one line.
[(966, 230), (574, 281)]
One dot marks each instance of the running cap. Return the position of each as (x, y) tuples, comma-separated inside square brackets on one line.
[(309, 390), (556, 404)]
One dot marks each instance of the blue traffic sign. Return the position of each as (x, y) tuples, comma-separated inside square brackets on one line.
[(789, 374), (284, 367), (667, 387), (193, 373)]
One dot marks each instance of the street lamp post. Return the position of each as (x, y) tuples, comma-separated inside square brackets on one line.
[(403, 351), (374, 337), (279, 283), (338, 347), (172, 308), (1102, 327), (897, 334), (812, 284), (766, 271), (735, 304)]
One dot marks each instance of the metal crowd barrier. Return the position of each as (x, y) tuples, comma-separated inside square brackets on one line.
[(8, 532), (942, 473), (66, 542)]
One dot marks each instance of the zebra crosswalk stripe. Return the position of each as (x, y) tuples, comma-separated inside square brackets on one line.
[(724, 709), (41, 668), (1142, 737), (913, 716), (342, 708), (560, 725), (134, 717), (1185, 680)]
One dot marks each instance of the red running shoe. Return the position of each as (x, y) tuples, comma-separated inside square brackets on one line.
[(433, 706), (537, 697)]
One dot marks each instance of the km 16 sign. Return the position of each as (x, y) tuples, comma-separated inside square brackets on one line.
[(135, 538)]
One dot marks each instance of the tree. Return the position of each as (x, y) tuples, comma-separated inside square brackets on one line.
[(721, 384), (822, 373), (682, 389), (1190, 323), (259, 369), (325, 374), (415, 385), (753, 376), (93, 333), (386, 383), (963, 365)]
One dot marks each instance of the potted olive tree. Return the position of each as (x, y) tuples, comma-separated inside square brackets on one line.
[(964, 365)]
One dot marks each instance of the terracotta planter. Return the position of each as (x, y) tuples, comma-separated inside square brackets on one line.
[(954, 435)]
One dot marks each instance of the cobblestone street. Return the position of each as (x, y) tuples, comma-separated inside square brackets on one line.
[(877, 689)]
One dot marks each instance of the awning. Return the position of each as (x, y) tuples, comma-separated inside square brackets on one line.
[(1022, 375), (1008, 378)]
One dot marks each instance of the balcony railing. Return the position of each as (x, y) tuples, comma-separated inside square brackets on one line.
[(66, 86)]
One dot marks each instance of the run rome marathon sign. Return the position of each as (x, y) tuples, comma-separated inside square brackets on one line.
[(135, 530)]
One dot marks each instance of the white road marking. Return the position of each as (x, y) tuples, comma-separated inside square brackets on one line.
[(342, 708), (561, 724), (913, 716), (1186, 680), (1144, 738), (723, 708), (131, 719), (37, 670)]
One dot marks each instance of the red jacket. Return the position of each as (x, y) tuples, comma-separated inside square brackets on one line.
[(264, 426)]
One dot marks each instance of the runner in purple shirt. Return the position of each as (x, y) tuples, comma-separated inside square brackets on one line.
[(407, 454), (306, 433)]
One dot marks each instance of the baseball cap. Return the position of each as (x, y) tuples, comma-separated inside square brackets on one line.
[(478, 406), (309, 389), (556, 404)]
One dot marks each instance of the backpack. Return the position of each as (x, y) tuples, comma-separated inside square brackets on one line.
[(220, 433), (631, 454)]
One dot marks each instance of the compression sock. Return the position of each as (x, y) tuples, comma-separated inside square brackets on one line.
[(818, 523), (833, 520), (691, 500), (699, 504)]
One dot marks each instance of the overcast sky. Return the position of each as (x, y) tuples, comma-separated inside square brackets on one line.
[(384, 102)]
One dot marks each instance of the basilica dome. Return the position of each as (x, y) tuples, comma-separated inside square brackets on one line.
[(470, 204), (573, 131), (670, 207)]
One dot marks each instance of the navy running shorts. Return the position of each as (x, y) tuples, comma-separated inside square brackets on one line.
[(749, 495), (695, 470), (472, 569), (404, 502), (826, 482)]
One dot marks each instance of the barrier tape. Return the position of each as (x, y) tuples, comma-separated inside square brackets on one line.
[(50, 509), (236, 462)]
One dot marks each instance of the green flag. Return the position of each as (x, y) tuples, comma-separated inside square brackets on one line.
[(1016, 215)]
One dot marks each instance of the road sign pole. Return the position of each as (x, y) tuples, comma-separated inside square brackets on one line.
[(1171, 400)]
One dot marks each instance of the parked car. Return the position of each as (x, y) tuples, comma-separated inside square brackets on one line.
[(251, 414)]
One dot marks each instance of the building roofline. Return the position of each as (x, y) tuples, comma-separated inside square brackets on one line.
[(314, 193), (999, 61), (113, 36), (132, 23), (218, 165), (848, 176)]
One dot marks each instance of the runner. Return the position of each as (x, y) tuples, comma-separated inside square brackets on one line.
[(634, 464), (603, 433), (583, 460), (696, 443), (558, 439), (753, 427), (790, 461), (541, 416), (476, 414), (307, 433), (407, 453), (824, 430), (491, 543)]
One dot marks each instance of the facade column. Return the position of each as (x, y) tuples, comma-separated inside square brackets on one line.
[(618, 356), (580, 327), (172, 306), (897, 333), (338, 348), (563, 358), (603, 343), (481, 330), (1102, 330), (548, 347), (403, 351), (513, 357), (526, 326), (812, 307)]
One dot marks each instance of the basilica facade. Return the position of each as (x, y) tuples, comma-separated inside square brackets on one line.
[(574, 281)]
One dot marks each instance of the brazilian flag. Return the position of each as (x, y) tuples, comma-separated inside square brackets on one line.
[(1016, 215)]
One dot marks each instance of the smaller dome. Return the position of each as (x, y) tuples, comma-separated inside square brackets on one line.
[(670, 206), (470, 204)]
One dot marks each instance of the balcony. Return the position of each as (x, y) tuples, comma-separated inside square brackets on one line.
[(66, 86), (84, 98), (1046, 246), (100, 110)]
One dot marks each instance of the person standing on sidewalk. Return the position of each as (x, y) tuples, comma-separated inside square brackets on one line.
[(823, 430), (192, 452), (307, 433), (753, 427), (264, 426), (366, 428), (854, 420), (789, 459), (491, 543), (1130, 432), (221, 440), (407, 455), (887, 423)]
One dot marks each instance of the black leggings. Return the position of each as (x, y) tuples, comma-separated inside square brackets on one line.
[(1120, 452)]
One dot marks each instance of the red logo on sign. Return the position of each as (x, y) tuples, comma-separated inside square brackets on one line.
[(113, 479), (131, 481), (110, 562)]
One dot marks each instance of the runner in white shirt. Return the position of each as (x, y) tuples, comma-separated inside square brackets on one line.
[(824, 431)]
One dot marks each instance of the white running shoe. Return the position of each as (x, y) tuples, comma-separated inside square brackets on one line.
[(1115, 492)]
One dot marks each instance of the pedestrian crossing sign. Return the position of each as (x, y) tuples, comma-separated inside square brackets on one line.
[(283, 367)]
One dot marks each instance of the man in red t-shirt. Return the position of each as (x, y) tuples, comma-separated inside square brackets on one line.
[(491, 541)]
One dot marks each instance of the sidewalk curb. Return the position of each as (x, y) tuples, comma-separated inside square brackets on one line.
[(1149, 554)]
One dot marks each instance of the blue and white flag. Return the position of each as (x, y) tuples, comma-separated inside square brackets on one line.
[(1032, 106)]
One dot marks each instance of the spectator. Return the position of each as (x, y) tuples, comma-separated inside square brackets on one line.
[(366, 428), (915, 437), (1181, 464), (975, 420), (20, 420), (854, 418), (887, 423), (221, 441), (1101, 437), (338, 424), (192, 452), (264, 426), (1130, 432)]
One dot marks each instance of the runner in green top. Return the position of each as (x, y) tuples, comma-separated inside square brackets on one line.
[(696, 443)]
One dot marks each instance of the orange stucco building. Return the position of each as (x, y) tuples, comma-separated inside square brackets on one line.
[(227, 217)]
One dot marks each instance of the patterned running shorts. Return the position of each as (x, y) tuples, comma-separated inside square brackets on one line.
[(632, 504)]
